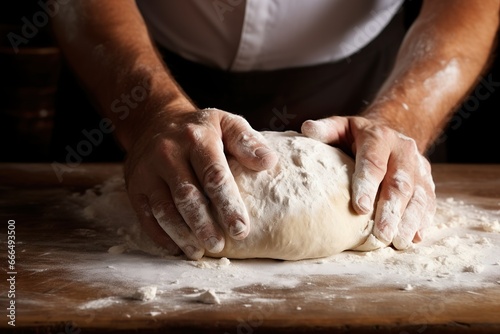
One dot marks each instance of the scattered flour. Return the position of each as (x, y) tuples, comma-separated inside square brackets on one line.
[(490, 226), (222, 262), (208, 297), (154, 313), (458, 252), (145, 293), (99, 303)]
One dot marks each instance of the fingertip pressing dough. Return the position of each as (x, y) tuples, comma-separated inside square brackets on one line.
[(301, 208)]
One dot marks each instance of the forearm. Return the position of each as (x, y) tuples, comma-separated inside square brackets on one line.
[(108, 46), (439, 61)]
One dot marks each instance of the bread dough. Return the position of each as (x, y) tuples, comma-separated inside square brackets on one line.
[(301, 208)]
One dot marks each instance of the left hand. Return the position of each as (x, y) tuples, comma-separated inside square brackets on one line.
[(389, 164)]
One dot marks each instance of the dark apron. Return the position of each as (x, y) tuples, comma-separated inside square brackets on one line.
[(283, 99), (269, 100)]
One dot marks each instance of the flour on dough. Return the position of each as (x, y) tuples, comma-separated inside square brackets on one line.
[(300, 209)]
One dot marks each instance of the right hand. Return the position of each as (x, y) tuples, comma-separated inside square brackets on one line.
[(176, 171)]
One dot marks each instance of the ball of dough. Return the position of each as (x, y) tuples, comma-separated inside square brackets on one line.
[(301, 208)]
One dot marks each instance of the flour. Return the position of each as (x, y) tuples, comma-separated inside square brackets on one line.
[(490, 226), (441, 82), (145, 293), (100, 303), (222, 262), (460, 251), (208, 297), (303, 200)]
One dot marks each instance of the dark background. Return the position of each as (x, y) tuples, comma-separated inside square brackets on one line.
[(36, 88)]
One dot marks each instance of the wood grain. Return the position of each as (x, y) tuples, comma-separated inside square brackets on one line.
[(47, 300)]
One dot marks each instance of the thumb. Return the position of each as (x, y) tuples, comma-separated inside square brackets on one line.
[(331, 130), (247, 145)]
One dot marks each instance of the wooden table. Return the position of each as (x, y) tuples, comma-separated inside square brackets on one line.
[(49, 248)]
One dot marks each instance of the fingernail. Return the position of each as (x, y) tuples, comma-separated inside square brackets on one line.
[(365, 203), (261, 152), (266, 156), (237, 228), (214, 245), (419, 236)]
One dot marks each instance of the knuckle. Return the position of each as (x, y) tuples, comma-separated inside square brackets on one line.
[(161, 208), (402, 183), (207, 112), (409, 145), (185, 192), (408, 141), (193, 133), (371, 164), (215, 177), (379, 133)]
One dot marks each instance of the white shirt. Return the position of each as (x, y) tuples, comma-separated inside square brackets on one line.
[(239, 35)]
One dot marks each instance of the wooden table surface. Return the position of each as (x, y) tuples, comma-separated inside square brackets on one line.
[(47, 299)]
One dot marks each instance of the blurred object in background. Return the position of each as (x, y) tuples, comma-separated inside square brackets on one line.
[(29, 71)]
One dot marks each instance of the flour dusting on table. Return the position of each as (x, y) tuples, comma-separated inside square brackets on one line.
[(461, 250)]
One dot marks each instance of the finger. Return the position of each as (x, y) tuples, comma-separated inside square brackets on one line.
[(194, 209), (211, 167), (149, 225), (427, 220), (412, 219), (159, 204), (425, 174), (184, 190), (169, 219), (372, 158), (248, 146), (327, 130), (397, 189)]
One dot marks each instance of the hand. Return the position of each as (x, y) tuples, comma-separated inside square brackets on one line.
[(179, 182), (389, 163)]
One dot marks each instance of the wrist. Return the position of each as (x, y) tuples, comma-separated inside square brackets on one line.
[(146, 114), (402, 118)]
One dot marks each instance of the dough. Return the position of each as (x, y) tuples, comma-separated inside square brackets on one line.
[(301, 208)]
